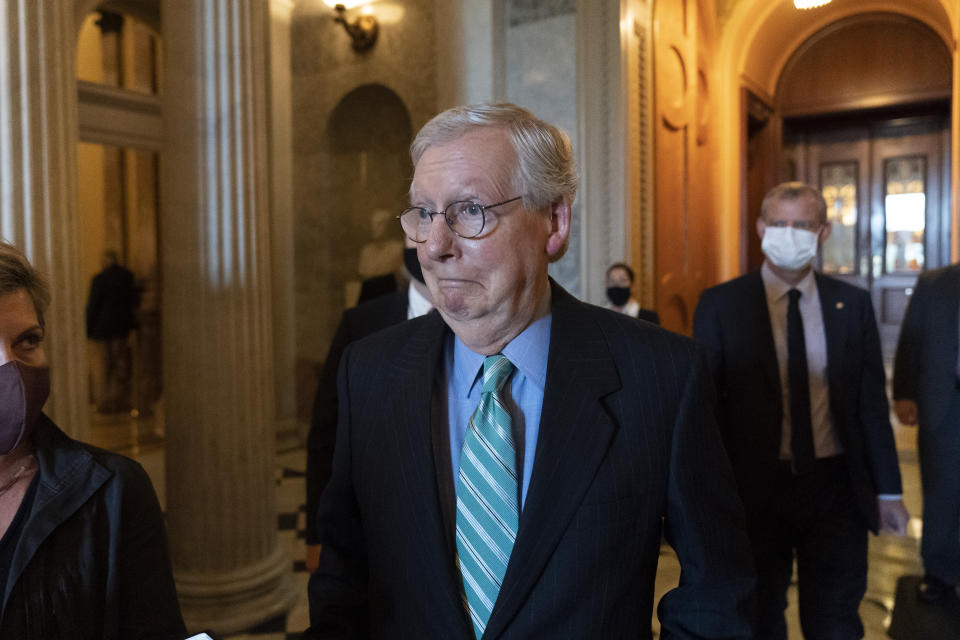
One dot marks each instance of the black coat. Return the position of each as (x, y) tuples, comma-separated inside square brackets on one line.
[(732, 319), (112, 303), (627, 442), (355, 323), (92, 561), (925, 369)]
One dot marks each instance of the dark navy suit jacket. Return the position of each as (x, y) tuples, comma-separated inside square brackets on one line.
[(732, 319), (628, 449), (925, 369)]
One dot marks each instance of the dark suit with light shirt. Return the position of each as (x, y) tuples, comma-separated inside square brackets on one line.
[(839, 501), (627, 448), (926, 372)]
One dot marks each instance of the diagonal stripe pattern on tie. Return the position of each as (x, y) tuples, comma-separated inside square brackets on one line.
[(487, 507)]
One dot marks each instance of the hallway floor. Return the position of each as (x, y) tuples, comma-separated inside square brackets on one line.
[(890, 557)]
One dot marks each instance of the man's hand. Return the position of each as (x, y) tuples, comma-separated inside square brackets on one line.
[(893, 516), (906, 411), (313, 557)]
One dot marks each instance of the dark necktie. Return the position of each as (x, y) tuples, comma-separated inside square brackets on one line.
[(801, 430)]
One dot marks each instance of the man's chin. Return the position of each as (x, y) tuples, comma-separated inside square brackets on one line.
[(454, 307)]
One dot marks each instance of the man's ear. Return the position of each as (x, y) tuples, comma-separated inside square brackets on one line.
[(559, 236), (761, 227), (825, 232)]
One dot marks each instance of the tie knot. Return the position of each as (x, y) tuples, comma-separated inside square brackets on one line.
[(496, 370), (794, 295)]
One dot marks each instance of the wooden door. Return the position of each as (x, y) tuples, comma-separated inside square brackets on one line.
[(683, 190), (885, 184)]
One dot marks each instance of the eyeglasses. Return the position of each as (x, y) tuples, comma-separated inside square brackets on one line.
[(465, 218), (803, 225)]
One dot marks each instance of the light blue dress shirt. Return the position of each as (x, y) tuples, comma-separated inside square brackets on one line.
[(528, 353)]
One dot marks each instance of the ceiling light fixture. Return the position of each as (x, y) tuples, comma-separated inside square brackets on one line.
[(809, 4)]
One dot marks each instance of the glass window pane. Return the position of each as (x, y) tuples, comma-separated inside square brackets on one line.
[(905, 208), (838, 184)]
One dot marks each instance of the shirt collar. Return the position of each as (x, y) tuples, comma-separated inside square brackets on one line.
[(417, 304), (777, 288), (527, 352)]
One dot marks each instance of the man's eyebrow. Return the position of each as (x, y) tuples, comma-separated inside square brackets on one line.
[(23, 334)]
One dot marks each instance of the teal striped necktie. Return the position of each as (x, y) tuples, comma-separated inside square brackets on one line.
[(487, 508)]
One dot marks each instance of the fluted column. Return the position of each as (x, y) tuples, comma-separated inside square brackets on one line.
[(218, 383), (38, 140), (281, 228)]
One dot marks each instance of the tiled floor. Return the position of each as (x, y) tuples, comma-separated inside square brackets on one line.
[(890, 556)]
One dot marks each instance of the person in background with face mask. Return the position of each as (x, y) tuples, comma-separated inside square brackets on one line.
[(619, 286), (803, 410), (358, 322), (83, 550)]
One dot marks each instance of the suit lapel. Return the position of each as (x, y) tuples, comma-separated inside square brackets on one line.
[(766, 348), (69, 476), (575, 432), (835, 309), (422, 464)]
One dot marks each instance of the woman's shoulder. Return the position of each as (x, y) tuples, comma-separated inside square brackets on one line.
[(63, 455)]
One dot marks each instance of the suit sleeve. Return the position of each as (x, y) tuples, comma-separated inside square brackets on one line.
[(322, 436), (707, 331), (337, 590), (905, 367), (874, 409), (705, 525)]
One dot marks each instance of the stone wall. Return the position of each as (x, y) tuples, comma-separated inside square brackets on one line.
[(354, 114)]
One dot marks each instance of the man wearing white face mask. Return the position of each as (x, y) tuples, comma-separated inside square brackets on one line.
[(803, 410)]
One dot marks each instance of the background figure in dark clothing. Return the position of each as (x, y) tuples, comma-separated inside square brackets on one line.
[(378, 313), (620, 294), (111, 311)]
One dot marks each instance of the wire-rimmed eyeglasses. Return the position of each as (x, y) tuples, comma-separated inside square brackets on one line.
[(466, 218)]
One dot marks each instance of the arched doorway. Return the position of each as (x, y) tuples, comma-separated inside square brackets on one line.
[(118, 79), (759, 37), (368, 133), (870, 128)]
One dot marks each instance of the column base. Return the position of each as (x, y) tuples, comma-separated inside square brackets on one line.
[(226, 603)]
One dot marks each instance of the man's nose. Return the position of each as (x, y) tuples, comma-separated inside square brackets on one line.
[(441, 240)]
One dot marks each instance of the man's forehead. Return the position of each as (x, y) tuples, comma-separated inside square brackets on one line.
[(481, 160), (792, 207)]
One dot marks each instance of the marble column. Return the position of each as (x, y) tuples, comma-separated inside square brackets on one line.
[(469, 38), (281, 226), (218, 353), (38, 141)]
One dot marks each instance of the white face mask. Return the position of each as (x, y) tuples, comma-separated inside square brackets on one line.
[(789, 248)]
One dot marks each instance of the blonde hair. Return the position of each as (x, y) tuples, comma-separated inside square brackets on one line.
[(795, 191)]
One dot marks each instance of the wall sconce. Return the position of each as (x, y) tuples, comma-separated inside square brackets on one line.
[(362, 30)]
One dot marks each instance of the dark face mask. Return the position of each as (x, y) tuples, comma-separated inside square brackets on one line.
[(23, 391), (412, 264), (618, 295)]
